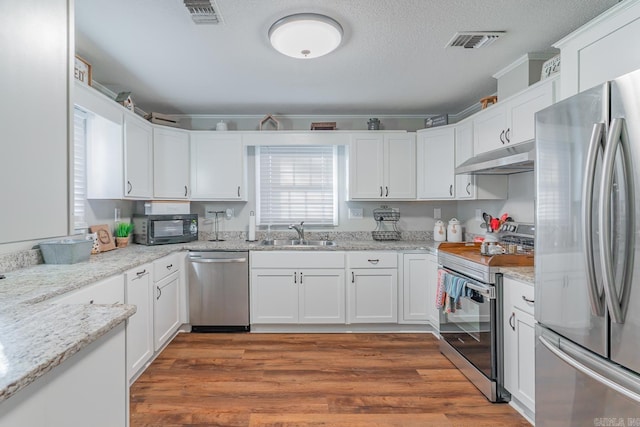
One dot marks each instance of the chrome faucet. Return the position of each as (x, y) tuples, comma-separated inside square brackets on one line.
[(299, 229)]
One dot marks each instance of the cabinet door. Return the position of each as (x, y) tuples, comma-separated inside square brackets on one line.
[(139, 292), (523, 377), (138, 179), (166, 310), (400, 167), (489, 128), (274, 296), (34, 178), (519, 342), (436, 164), (366, 167), (373, 295), (170, 163), (217, 166), (415, 283), (522, 110), (321, 296), (465, 184)]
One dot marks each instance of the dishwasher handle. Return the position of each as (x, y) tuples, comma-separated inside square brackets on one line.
[(217, 260)]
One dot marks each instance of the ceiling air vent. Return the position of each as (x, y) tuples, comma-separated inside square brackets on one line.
[(203, 11), (474, 39)]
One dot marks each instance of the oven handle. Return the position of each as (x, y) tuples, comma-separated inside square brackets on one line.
[(488, 291)]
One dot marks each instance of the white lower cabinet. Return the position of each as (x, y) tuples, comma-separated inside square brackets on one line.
[(519, 342), (297, 287), (139, 292), (88, 389), (373, 287), (166, 309), (415, 282)]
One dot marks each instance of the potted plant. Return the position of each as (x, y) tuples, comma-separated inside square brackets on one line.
[(122, 231)]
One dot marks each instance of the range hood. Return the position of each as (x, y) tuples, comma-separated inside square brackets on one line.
[(507, 160)]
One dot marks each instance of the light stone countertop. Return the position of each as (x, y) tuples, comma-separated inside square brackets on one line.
[(36, 336), (523, 274)]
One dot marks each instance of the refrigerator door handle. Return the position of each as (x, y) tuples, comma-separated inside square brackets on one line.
[(630, 390), (595, 148), (617, 138)]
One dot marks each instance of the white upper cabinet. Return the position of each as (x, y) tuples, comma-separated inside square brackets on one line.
[(601, 50), (35, 108), (218, 166), (382, 166), (138, 169), (170, 163), (465, 184), (436, 161), (511, 121)]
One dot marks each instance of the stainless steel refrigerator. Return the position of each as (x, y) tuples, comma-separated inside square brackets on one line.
[(587, 264)]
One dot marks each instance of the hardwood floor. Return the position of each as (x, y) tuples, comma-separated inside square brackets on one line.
[(355, 380)]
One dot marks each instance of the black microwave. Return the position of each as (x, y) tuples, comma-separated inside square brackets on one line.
[(165, 229)]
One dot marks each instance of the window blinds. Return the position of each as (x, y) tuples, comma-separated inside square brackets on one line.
[(297, 183), (79, 169)]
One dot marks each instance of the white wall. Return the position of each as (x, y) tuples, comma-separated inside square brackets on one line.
[(520, 204)]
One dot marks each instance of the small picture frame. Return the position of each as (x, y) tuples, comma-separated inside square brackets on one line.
[(105, 239), (82, 71)]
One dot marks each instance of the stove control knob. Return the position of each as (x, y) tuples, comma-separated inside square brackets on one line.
[(512, 228)]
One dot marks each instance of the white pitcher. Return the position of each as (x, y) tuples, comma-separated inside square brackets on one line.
[(439, 232), (454, 231)]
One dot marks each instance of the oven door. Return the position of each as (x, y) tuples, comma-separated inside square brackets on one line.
[(469, 325)]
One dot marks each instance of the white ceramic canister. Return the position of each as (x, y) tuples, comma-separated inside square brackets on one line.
[(439, 232), (221, 125), (454, 231)]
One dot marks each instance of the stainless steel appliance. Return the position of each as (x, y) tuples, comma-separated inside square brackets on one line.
[(587, 292), (471, 327), (218, 291), (164, 229)]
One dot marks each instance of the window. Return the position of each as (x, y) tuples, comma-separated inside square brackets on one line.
[(297, 183), (79, 169)]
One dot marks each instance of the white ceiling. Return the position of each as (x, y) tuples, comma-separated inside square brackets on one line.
[(392, 60)]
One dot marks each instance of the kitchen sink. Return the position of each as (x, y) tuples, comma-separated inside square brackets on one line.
[(287, 242)]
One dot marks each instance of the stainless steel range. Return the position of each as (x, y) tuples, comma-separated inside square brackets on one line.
[(470, 299)]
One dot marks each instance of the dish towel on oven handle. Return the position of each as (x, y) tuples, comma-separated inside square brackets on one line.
[(449, 290)]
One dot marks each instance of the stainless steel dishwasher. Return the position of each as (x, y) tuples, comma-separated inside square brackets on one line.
[(218, 291)]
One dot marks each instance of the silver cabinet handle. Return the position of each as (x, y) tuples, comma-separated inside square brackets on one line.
[(141, 273), (506, 135), (186, 191), (525, 299), (169, 267), (238, 191), (159, 292), (353, 277), (502, 137), (451, 189), (129, 187), (381, 191), (512, 317), (387, 193), (373, 261), (295, 277), (468, 186), (301, 277)]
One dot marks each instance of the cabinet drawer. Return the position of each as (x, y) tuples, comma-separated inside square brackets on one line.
[(165, 266), (297, 259), (372, 259), (522, 296), (108, 291)]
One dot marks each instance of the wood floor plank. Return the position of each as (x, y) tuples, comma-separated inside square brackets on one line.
[(353, 380)]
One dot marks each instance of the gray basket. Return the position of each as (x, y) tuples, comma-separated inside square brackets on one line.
[(66, 251)]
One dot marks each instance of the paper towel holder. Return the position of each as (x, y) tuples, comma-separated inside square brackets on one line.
[(251, 236)]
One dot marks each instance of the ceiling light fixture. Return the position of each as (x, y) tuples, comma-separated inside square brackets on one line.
[(305, 35)]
